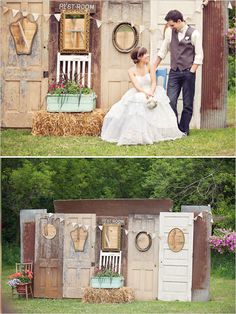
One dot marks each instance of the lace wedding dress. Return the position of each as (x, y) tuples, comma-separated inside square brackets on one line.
[(131, 122)]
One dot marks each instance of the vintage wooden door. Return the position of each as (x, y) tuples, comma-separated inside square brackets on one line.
[(24, 86), (175, 256), (79, 255), (143, 256), (114, 64), (48, 270)]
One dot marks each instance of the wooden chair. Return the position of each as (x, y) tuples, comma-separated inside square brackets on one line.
[(110, 260), (162, 72), (75, 66), (27, 289)]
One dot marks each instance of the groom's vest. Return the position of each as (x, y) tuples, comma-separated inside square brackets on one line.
[(182, 52)]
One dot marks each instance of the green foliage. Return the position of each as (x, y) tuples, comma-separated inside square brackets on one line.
[(223, 265), (10, 254), (106, 273), (231, 69)]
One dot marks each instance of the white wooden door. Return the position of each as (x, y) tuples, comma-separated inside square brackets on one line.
[(143, 266), (193, 14), (23, 84), (78, 265), (114, 64), (175, 270)]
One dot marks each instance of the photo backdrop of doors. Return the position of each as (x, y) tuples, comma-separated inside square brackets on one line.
[(24, 85), (64, 254)]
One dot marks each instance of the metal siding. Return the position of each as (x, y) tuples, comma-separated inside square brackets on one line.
[(214, 75)]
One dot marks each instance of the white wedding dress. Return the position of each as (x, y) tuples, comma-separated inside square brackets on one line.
[(131, 122)]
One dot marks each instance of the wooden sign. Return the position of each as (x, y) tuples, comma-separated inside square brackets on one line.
[(79, 237), (91, 7), (111, 235), (176, 240), (23, 32), (49, 231)]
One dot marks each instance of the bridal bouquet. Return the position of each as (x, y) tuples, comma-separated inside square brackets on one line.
[(151, 103)]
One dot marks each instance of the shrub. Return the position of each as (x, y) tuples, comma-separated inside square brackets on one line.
[(223, 241)]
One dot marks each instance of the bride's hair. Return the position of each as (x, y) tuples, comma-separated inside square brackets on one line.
[(137, 53)]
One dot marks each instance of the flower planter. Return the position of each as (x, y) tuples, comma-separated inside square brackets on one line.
[(21, 288), (107, 282), (71, 102)]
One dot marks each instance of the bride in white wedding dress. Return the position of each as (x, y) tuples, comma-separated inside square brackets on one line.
[(130, 121)]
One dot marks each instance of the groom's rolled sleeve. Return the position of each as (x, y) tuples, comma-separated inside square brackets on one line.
[(165, 47), (197, 43)]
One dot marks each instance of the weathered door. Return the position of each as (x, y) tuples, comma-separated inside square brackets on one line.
[(114, 64), (48, 270), (24, 87), (175, 256), (143, 259), (79, 256)]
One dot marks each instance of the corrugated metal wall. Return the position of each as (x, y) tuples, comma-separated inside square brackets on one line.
[(215, 68)]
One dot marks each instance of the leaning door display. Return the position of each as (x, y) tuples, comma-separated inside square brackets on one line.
[(175, 256)]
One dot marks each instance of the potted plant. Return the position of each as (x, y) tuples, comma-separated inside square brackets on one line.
[(20, 279), (70, 96), (106, 278)]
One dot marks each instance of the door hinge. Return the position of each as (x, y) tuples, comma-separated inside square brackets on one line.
[(45, 74)]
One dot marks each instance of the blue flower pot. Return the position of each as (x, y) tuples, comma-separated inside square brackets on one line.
[(107, 282)]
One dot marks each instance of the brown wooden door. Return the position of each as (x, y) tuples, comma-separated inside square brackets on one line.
[(143, 266), (114, 64), (48, 271), (78, 265), (24, 87)]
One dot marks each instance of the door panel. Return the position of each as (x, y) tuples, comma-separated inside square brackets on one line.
[(22, 75), (77, 267), (175, 272), (143, 266)]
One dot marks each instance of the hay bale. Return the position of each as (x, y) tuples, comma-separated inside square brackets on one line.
[(62, 124), (121, 295)]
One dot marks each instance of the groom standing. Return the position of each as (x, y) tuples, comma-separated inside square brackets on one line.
[(184, 44)]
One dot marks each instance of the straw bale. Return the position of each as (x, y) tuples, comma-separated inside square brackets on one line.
[(95, 295), (62, 124)]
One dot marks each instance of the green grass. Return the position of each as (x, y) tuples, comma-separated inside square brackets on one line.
[(203, 142), (222, 301)]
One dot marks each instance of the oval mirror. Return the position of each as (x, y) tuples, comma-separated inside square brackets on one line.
[(125, 37), (176, 240)]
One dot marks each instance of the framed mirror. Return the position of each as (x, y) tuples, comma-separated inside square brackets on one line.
[(143, 241), (74, 32), (125, 37)]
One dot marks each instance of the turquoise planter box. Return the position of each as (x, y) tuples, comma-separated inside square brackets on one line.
[(71, 103), (107, 282)]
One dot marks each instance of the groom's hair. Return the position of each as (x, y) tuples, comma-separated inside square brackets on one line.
[(174, 15)]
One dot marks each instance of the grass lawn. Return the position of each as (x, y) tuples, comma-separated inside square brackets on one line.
[(222, 301), (203, 142)]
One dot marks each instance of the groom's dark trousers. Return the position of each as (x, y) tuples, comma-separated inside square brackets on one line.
[(184, 80)]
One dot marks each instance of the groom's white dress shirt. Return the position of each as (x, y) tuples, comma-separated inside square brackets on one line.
[(195, 40)]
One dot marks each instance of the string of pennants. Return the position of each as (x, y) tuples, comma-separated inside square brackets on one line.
[(100, 227), (100, 22)]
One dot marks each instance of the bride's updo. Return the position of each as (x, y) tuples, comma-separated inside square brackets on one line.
[(137, 53)]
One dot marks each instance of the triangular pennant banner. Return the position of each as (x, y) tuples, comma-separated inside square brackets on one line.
[(230, 6), (195, 218), (86, 227), (47, 17), (99, 23), (126, 231), (14, 12), (199, 9), (141, 28), (61, 219), (50, 215), (74, 224), (100, 227), (200, 215), (36, 16), (79, 225), (132, 23), (5, 9), (153, 236), (58, 17), (212, 221)]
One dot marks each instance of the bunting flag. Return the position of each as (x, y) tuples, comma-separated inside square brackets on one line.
[(212, 221), (141, 28), (74, 224), (126, 231), (5, 9), (230, 6), (14, 12), (100, 227), (61, 219), (58, 17), (86, 227), (36, 16), (132, 23), (50, 215), (153, 235), (99, 23)]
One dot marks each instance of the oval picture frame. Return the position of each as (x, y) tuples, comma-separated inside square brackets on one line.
[(144, 247), (176, 240), (115, 35)]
